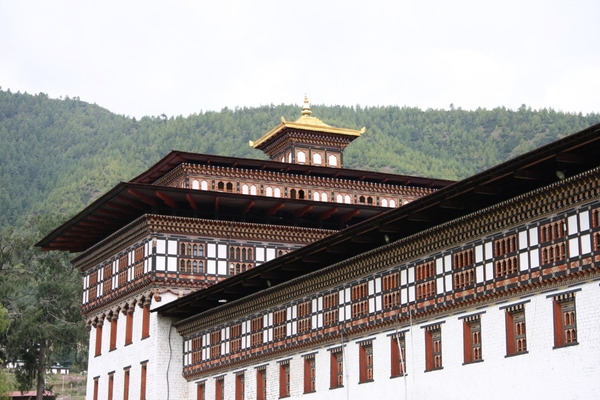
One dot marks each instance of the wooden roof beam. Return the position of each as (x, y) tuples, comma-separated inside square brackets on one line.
[(527, 174), (570, 158), (275, 208), (131, 202), (166, 199), (326, 214), (247, 207), (419, 217), (489, 190), (302, 211), (191, 201), (349, 215), (144, 198)]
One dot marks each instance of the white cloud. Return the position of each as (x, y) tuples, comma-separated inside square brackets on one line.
[(148, 58)]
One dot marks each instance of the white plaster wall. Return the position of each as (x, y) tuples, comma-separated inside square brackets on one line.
[(562, 373), (153, 349)]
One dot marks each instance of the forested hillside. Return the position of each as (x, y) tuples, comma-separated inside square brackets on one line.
[(56, 156)]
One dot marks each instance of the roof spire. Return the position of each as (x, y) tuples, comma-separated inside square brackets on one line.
[(306, 108)]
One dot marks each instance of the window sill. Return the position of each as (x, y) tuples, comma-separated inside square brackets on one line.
[(112, 350), (312, 391), (367, 381), (128, 344), (398, 376), (565, 345), (516, 354), (146, 337), (473, 362), (336, 387), (434, 369)]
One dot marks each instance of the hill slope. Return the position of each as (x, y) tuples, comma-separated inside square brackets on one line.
[(58, 155)]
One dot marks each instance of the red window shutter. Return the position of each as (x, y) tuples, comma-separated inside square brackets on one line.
[(98, 340), (467, 344), (395, 367), (428, 351), (558, 329), (146, 322), (510, 334)]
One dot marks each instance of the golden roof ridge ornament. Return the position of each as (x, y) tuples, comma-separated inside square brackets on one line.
[(306, 108), (305, 122)]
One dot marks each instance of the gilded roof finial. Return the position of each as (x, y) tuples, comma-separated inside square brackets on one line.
[(306, 108)]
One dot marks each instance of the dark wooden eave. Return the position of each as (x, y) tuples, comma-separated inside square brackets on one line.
[(128, 201), (175, 158), (564, 158)]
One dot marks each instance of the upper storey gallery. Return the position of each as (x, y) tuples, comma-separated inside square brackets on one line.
[(302, 185), (306, 164)]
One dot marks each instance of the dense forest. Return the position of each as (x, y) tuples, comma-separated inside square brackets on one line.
[(57, 155)]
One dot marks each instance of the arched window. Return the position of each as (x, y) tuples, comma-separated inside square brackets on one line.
[(249, 254), (361, 200), (293, 194), (269, 191), (384, 203), (301, 194), (189, 250), (220, 186), (195, 250), (347, 199), (245, 189), (277, 192), (182, 251), (332, 161), (204, 185), (323, 196), (230, 187), (189, 266), (370, 200), (195, 184), (200, 250), (289, 157), (301, 157), (392, 203), (200, 267), (339, 198), (194, 267), (231, 253), (316, 196), (244, 254), (181, 266), (253, 190), (282, 158), (237, 253), (317, 159)]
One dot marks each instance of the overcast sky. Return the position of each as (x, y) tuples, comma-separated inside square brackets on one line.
[(180, 57)]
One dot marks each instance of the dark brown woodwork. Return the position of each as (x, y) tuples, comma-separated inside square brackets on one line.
[(275, 208), (191, 201), (144, 198), (325, 215), (303, 211), (166, 199), (349, 215)]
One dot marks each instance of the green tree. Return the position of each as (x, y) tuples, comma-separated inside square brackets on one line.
[(43, 303), (4, 383)]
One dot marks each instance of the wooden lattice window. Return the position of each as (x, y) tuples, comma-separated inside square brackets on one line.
[(516, 338), (197, 350), (215, 344), (433, 347), (565, 323), (257, 331), (279, 324), (398, 353), (472, 339)]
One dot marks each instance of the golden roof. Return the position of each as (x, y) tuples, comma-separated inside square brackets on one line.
[(308, 123)]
